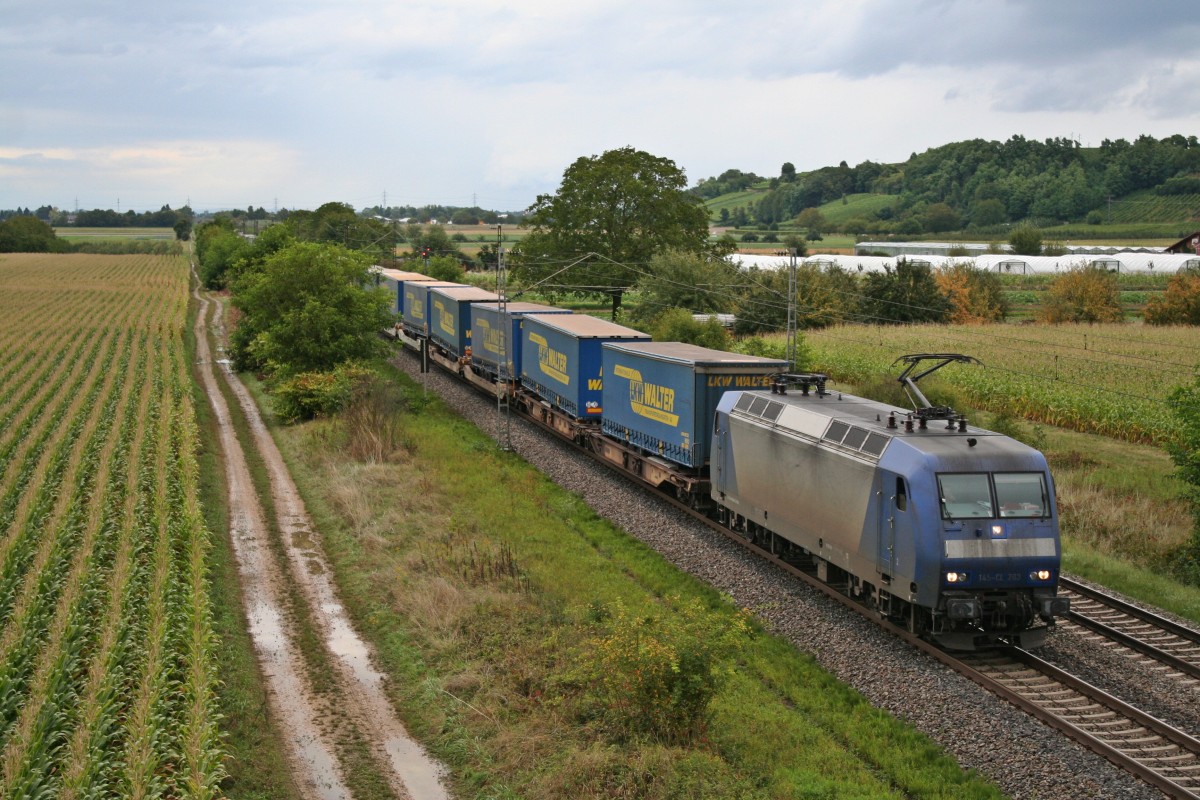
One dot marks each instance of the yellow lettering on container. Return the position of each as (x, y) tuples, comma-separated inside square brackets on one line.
[(415, 309), (649, 400), (552, 362)]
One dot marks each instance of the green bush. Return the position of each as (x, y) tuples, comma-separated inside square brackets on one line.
[(444, 268), (656, 675), (1026, 240), (678, 325), (317, 394), (1184, 402)]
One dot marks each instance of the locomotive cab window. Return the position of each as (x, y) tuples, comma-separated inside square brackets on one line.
[(1021, 494), (965, 495), (901, 495)]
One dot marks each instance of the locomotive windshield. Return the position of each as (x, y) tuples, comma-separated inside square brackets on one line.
[(1021, 494), (976, 494)]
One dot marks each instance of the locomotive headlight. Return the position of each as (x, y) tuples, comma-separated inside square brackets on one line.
[(956, 577), (1040, 575)]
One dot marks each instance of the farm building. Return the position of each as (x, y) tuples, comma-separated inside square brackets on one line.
[(1188, 244)]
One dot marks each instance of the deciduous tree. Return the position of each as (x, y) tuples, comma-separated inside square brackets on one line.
[(987, 213), (941, 217), (691, 281), (28, 234), (218, 248), (1179, 304), (906, 293), (825, 296), (1026, 240), (812, 220), (338, 223), (307, 308), (1087, 294), (975, 295), (678, 325), (611, 214)]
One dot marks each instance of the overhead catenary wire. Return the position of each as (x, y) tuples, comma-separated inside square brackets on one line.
[(1033, 346), (1036, 345)]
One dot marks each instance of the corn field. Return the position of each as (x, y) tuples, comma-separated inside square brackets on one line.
[(1106, 379), (107, 668)]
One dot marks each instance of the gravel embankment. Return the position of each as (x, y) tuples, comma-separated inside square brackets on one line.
[(1020, 755)]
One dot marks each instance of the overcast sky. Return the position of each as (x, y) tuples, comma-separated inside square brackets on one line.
[(460, 102)]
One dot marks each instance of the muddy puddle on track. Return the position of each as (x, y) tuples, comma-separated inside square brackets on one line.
[(359, 691)]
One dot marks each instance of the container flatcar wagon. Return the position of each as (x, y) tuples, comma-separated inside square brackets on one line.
[(417, 308), (393, 280), (661, 396), (450, 316), (496, 337), (560, 360)]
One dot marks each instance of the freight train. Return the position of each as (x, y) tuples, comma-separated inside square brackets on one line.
[(946, 528)]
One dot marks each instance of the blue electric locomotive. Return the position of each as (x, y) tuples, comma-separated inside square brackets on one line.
[(949, 528)]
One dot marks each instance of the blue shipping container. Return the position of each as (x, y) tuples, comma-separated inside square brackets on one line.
[(393, 280), (450, 315), (416, 305), (661, 396), (560, 359), (487, 343)]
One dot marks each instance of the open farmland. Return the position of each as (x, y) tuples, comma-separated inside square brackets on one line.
[(76, 234), (1105, 379), (106, 662)]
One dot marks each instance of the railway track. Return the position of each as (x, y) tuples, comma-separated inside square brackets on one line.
[(1175, 646), (1159, 754)]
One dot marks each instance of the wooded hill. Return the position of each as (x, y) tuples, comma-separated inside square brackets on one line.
[(979, 185)]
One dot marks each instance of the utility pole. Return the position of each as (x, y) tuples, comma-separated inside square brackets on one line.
[(791, 317), (503, 411)]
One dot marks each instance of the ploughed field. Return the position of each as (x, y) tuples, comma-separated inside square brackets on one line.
[(106, 650)]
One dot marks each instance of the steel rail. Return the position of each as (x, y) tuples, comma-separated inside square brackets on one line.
[(1171, 644), (1152, 750)]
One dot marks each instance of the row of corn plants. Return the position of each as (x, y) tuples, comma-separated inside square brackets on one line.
[(28, 432), (107, 669), (57, 615)]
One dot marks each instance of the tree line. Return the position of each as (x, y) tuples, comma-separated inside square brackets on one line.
[(28, 234), (221, 243), (977, 184), (165, 217)]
